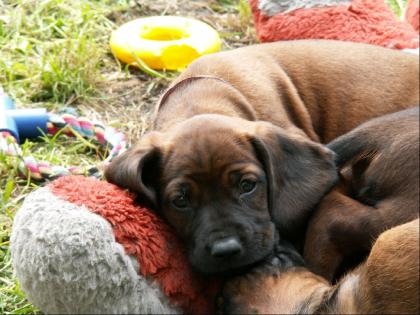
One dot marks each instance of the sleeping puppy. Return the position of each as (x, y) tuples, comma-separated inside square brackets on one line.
[(235, 162), (386, 283), (379, 161)]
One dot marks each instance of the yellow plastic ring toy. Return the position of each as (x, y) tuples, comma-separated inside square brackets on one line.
[(164, 42)]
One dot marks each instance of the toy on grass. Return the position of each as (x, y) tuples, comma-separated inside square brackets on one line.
[(80, 245), (367, 21), (17, 125), (21, 123), (164, 42)]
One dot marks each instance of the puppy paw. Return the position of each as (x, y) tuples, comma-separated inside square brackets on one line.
[(255, 291), (285, 256)]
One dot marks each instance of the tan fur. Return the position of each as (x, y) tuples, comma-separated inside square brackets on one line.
[(391, 274), (277, 294)]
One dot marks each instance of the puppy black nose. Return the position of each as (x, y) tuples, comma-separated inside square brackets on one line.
[(226, 247)]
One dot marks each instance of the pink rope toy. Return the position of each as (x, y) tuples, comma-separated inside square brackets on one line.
[(29, 167)]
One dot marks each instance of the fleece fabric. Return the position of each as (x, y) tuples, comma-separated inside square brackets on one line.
[(367, 21), (81, 245)]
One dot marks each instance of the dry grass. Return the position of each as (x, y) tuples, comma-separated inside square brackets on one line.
[(127, 97)]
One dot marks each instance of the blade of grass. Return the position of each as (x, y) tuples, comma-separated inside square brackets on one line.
[(146, 69)]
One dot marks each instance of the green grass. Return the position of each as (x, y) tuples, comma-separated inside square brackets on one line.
[(53, 53), (398, 6)]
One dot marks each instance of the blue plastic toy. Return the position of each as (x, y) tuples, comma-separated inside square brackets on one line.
[(21, 123), (17, 125)]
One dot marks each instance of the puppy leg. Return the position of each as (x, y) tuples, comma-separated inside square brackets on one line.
[(321, 254), (343, 228), (333, 233)]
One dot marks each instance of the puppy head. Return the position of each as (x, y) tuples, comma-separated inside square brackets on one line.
[(225, 184)]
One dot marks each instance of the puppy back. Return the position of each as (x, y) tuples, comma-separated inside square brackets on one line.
[(374, 135)]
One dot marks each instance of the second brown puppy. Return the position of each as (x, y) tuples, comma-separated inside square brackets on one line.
[(235, 155), (379, 189)]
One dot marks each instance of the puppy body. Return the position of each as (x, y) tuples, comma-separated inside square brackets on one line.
[(235, 152), (324, 88), (387, 283), (379, 189)]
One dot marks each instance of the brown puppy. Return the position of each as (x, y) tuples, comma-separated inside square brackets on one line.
[(387, 283), (379, 190), (235, 150)]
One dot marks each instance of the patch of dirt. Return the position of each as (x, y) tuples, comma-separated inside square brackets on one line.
[(128, 97)]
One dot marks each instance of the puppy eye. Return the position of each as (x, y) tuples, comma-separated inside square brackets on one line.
[(247, 186), (180, 202)]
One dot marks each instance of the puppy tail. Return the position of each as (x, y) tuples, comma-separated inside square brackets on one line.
[(353, 145)]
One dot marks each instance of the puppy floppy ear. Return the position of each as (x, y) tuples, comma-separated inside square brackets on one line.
[(138, 169), (299, 173)]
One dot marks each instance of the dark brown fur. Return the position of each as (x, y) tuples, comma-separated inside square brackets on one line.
[(379, 190), (259, 118), (386, 283)]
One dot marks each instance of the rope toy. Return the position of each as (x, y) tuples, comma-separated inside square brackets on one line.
[(29, 167)]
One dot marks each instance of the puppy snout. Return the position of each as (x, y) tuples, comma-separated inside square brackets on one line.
[(226, 247)]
